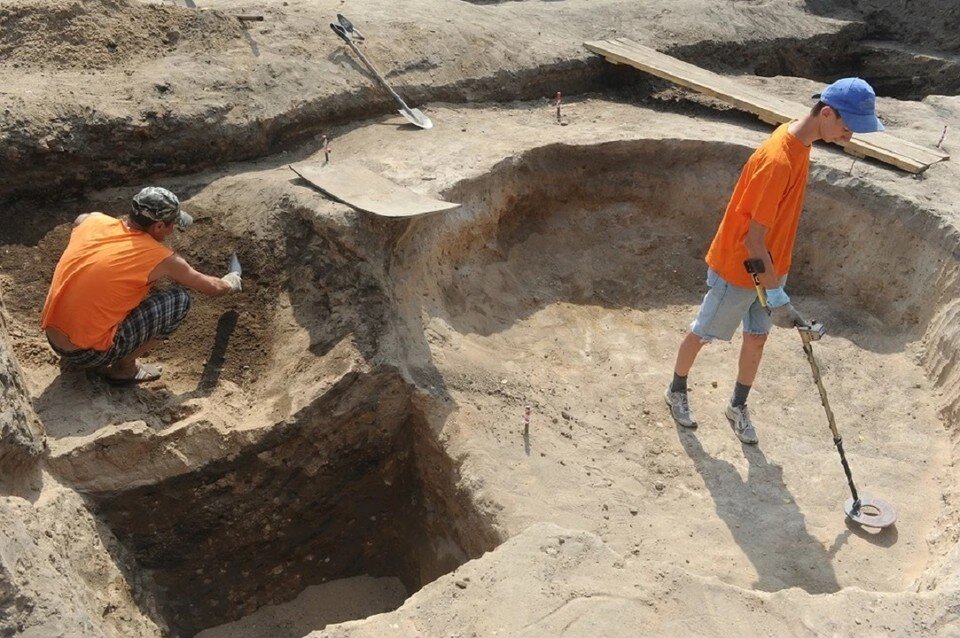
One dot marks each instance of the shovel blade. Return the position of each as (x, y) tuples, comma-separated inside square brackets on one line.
[(416, 117)]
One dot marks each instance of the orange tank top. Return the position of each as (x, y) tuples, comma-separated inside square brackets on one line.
[(100, 278), (770, 192)]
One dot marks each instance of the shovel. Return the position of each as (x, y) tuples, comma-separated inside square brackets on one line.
[(346, 31)]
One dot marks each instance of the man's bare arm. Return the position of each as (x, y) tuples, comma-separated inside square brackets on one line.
[(176, 268)]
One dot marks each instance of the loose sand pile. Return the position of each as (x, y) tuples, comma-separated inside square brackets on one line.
[(100, 34)]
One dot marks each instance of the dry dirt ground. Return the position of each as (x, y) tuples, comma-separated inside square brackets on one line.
[(340, 448)]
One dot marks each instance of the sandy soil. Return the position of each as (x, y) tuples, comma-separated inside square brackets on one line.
[(564, 283), (317, 606)]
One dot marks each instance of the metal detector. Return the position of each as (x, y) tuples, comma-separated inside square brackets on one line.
[(864, 510), (347, 32)]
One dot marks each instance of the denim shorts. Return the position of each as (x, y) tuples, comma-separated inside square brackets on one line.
[(725, 306)]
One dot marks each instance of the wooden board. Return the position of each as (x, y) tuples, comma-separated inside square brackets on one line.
[(773, 110), (358, 186)]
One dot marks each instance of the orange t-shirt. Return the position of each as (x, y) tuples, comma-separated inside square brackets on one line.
[(770, 192), (100, 278)]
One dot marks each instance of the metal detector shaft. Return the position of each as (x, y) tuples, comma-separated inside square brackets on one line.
[(806, 336)]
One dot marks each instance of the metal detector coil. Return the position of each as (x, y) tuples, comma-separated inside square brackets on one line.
[(870, 512)]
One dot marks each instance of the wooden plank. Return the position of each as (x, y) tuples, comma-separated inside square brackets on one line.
[(358, 186), (773, 110)]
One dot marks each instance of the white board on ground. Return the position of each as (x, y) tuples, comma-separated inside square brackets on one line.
[(354, 184)]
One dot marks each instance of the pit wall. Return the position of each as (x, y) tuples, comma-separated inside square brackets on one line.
[(22, 441), (57, 577), (61, 571), (859, 246), (353, 485)]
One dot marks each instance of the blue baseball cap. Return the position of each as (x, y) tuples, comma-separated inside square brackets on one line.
[(856, 102)]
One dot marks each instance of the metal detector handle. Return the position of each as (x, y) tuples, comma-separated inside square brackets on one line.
[(755, 267)]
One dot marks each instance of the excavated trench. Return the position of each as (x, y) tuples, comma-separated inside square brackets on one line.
[(579, 267), (609, 237), (582, 262), (349, 483), (903, 69), (354, 485)]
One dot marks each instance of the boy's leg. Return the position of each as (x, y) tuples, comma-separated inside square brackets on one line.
[(756, 325), (687, 354), (676, 394), (722, 310), (751, 351), (710, 323)]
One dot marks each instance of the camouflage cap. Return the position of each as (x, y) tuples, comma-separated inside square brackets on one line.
[(160, 205)]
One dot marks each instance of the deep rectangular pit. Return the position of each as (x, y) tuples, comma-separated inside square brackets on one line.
[(329, 495)]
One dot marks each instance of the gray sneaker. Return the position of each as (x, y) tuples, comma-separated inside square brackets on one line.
[(739, 418), (680, 408)]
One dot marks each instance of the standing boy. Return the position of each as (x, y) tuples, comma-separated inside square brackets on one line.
[(760, 223)]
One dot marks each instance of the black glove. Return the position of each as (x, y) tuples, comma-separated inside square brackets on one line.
[(786, 316)]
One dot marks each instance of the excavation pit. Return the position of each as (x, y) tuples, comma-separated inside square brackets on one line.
[(363, 492), (564, 282), (568, 283), (559, 291)]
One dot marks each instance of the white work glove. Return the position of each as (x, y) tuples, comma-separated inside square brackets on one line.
[(234, 280), (786, 316), (782, 312)]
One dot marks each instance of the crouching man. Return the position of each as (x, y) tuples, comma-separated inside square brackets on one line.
[(101, 312)]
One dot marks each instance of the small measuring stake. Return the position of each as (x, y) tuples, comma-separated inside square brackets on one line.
[(942, 136), (557, 101), (526, 422), (326, 148)]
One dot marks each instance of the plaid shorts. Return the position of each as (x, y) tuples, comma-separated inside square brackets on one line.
[(157, 316)]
